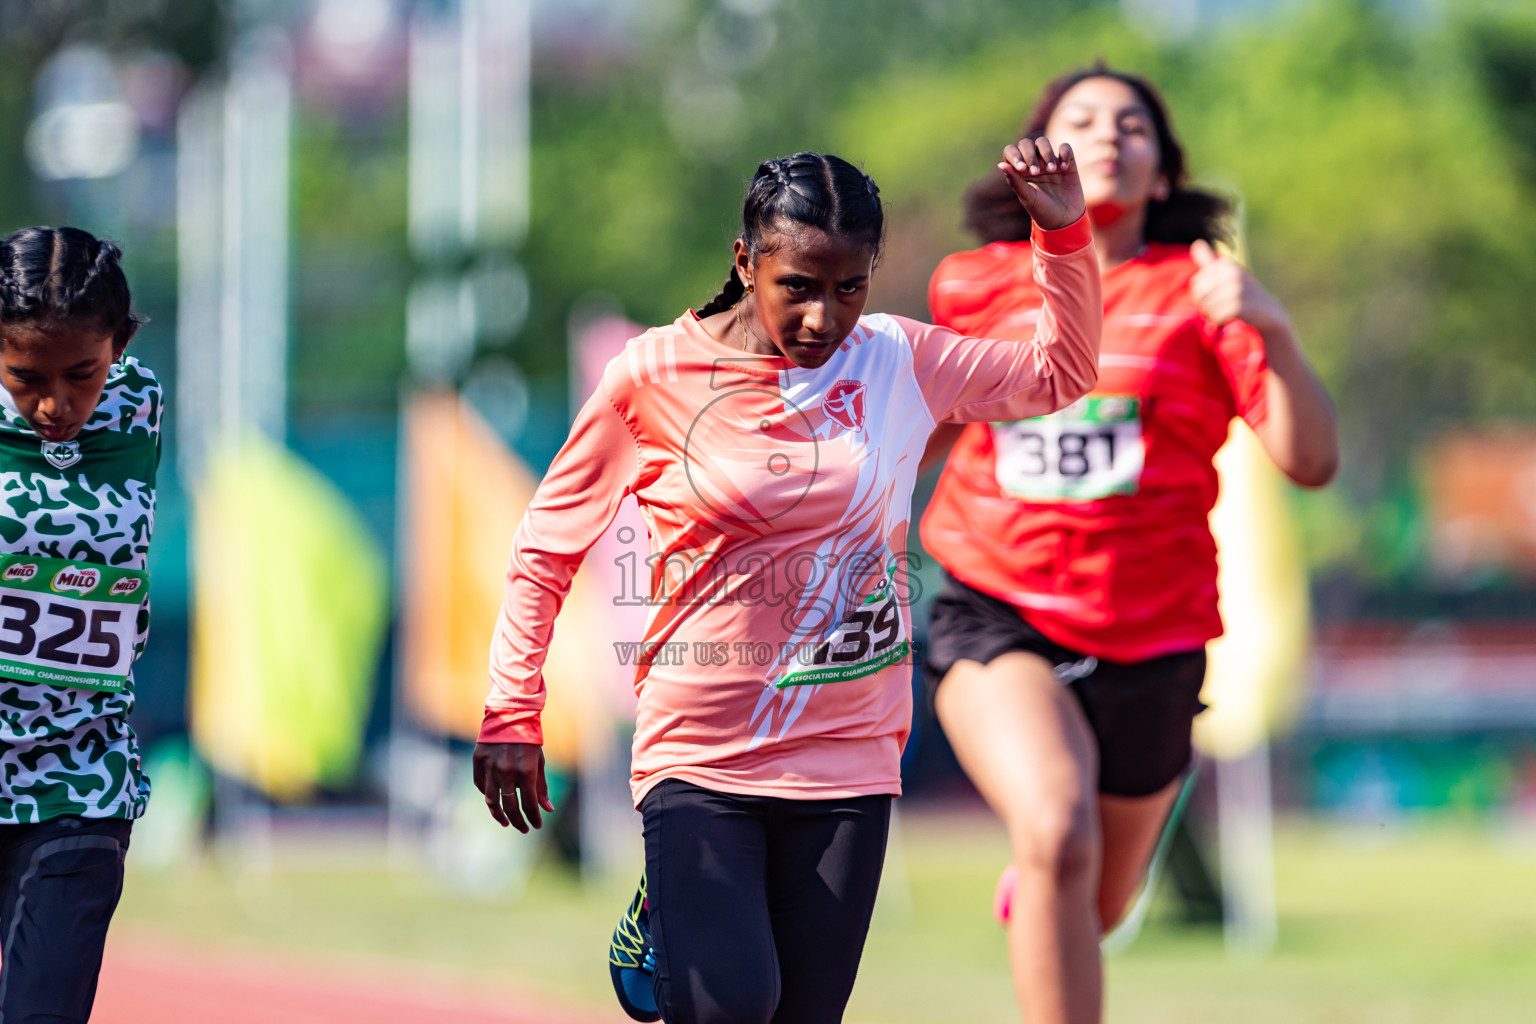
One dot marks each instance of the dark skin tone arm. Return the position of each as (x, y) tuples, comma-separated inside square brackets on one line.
[(805, 324), (939, 443)]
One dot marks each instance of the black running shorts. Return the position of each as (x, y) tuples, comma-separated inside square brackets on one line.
[(1140, 712)]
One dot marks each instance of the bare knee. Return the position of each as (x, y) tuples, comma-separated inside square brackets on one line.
[(1060, 843)]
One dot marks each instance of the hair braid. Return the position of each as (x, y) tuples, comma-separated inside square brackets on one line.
[(816, 190), (729, 294), (11, 296), (65, 275), (108, 257)]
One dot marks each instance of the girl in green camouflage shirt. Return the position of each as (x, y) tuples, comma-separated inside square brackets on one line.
[(79, 446)]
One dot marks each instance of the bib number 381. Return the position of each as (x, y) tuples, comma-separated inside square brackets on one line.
[(67, 623), (1091, 449)]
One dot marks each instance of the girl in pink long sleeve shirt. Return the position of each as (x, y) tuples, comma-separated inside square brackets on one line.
[(772, 441)]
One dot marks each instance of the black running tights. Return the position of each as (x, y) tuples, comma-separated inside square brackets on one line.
[(59, 884), (759, 906)]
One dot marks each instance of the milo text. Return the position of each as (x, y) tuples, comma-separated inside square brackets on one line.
[(82, 581)]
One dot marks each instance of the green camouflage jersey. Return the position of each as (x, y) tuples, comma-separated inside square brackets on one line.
[(65, 750)]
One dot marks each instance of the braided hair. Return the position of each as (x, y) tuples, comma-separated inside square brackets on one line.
[(993, 212), (65, 275), (814, 189)]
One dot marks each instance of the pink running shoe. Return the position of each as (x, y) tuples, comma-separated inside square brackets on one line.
[(1002, 898)]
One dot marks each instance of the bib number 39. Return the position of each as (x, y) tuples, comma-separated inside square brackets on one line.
[(871, 639), (68, 624), (1091, 449)]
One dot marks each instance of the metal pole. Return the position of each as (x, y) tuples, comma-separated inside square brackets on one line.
[(1245, 820)]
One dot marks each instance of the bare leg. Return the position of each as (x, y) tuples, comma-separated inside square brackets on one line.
[(1129, 826), (1023, 740)]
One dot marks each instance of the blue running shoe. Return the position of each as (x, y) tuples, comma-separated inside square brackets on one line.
[(632, 960)]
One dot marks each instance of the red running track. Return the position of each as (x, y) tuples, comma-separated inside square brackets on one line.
[(153, 981)]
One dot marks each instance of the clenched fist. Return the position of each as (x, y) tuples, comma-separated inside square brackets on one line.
[(1224, 290)]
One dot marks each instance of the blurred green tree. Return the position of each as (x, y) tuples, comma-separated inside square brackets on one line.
[(31, 31), (1385, 167)]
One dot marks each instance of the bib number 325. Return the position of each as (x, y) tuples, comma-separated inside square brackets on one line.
[(68, 623), (1091, 449)]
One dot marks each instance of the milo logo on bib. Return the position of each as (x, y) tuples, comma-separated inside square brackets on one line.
[(73, 578), (66, 624)]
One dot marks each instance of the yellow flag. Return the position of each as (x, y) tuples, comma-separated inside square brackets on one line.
[(466, 493), (290, 601), (1257, 673)]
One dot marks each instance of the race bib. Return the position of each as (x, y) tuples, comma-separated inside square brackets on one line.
[(871, 639), (1091, 449), (68, 623)]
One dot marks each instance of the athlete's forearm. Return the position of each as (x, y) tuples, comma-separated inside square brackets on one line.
[(1071, 320), (574, 504), (1300, 429), (968, 379), (535, 590)]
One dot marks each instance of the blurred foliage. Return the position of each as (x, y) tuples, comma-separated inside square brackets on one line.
[(193, 30), (352, 265), (1387, 167), (31, 31)]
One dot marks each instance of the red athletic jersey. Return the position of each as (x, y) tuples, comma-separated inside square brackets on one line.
[(1093, 522)]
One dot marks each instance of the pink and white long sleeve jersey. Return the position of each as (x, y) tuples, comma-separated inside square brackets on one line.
[(775, 659)]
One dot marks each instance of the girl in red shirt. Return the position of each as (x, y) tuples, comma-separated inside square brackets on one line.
[(1069, 642)]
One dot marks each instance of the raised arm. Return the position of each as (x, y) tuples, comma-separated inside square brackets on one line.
[(966, 379), (575, 503)]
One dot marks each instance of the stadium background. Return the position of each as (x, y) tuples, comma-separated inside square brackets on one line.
[(382, 242)]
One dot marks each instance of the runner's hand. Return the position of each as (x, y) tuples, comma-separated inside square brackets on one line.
[(505, 771), (1045, 181), (1224, 290)]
